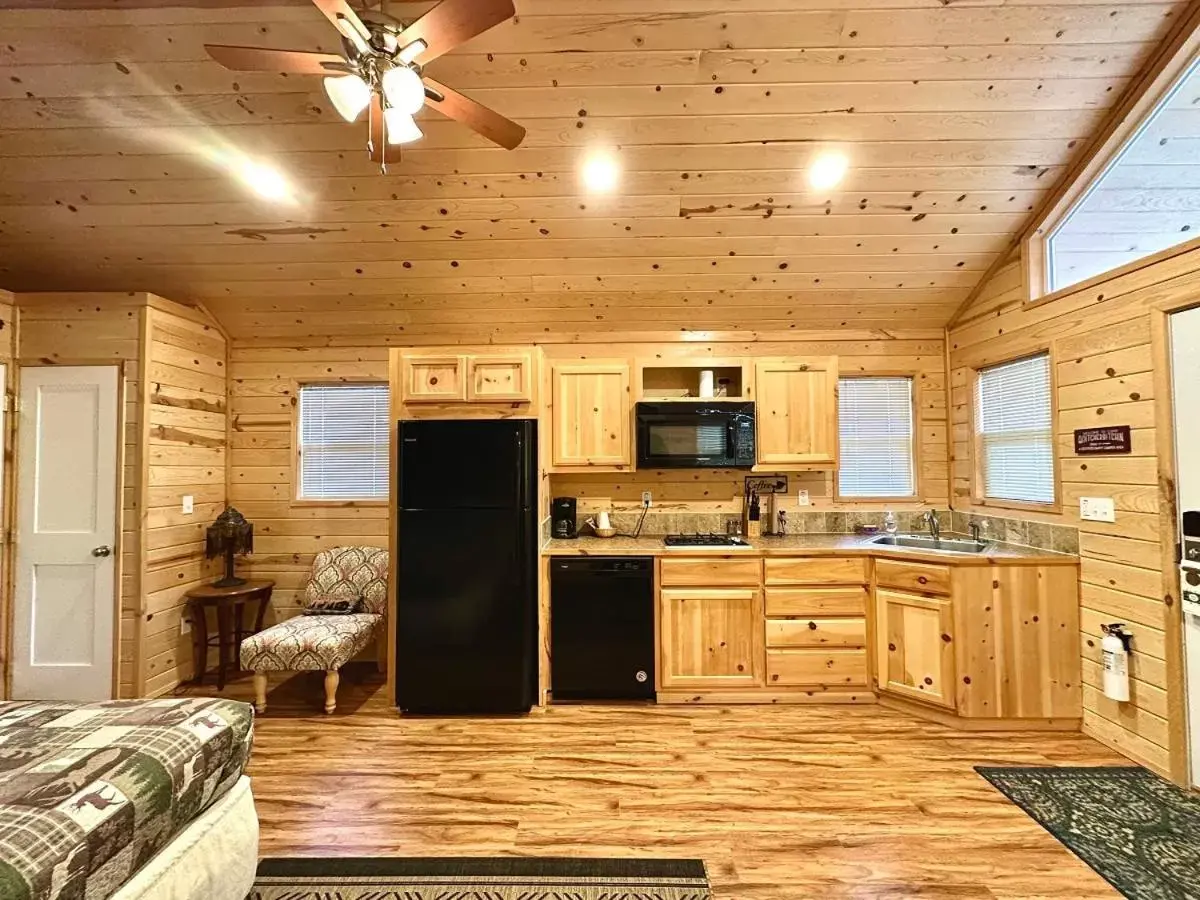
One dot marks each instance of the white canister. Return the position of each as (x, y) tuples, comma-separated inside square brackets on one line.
[(602, 520), (706, 383)]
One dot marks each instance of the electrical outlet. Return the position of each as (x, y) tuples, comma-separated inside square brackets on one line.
[(1097, 509), (802, 498), (189, 504), (185, 626), (647, 499)]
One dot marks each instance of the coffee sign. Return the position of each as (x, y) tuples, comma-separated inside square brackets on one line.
[(1112, 439)]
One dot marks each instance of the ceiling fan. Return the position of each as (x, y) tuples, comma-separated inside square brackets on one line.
[(380, 70)]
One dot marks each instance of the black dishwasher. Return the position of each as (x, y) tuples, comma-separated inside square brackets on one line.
[(602, 628)]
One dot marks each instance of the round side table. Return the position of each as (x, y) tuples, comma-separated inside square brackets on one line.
[(230, 604)]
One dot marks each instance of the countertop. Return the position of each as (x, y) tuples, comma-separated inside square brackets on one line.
[(805, 544)]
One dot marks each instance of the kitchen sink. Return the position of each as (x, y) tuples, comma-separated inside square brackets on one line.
[(925, 542)]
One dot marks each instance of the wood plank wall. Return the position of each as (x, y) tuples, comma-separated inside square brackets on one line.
[(287, 535), (90, 329), (1100, 339), (186, 397), (263, 383), (8, 351)]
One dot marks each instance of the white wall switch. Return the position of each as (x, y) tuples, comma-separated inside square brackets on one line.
[(647, 499), (185, 626), (1097, 509), (802, 498), (189, 504)]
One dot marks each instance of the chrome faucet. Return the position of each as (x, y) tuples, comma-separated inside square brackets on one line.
[(978, 527), (935, 525)]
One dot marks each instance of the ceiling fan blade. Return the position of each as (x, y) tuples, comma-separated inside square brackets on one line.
[(453, 22), (493, 126), (258, 59), (346, 21)]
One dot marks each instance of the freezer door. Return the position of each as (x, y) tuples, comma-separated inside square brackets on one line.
[(465, 612), (466, 464)]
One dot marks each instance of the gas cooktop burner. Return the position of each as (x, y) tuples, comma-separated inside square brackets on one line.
[(704, 540)]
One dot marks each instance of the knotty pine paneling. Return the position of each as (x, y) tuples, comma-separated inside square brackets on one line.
[(288, 534), (958, 119), (8, 349), (88, 329), (1100, 339), (186, 446)]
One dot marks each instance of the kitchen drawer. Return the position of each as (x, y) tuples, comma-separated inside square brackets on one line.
[(823, 668), (707, 571), (817, 570), (817, 632), (817, 601), (911, 576)]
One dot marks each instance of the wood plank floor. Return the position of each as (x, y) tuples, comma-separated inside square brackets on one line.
[(782, 803)]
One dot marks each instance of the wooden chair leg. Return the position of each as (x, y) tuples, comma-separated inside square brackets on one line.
[(331, 686), (260, 692)]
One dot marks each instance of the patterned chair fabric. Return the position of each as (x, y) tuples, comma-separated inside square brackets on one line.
[(326, 642)]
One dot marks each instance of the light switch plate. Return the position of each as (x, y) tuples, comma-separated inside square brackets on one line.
[(189, 504), (802, 498), (185, 626), (1097, 509)]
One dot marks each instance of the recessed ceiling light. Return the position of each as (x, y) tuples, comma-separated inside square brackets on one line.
[(827, 171), (600, 172), (266, 181)]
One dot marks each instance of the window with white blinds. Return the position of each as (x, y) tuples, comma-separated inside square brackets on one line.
[(343, 442), (1016, 435), (875, 433)]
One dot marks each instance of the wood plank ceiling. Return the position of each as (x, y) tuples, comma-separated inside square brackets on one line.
[(957, 118)]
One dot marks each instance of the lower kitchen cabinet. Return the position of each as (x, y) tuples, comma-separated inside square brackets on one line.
[(711, 638), (915, 646), (821, 669)]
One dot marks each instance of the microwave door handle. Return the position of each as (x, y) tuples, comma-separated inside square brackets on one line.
[(731, 439)]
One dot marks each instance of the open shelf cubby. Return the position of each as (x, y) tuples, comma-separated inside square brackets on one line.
[(683, 382)]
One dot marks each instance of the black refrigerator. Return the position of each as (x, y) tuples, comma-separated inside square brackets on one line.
[(466, 603)]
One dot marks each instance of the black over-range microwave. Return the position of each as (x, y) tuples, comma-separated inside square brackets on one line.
[(695, 434)]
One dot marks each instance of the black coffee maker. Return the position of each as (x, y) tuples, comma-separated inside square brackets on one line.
[(562, 518)]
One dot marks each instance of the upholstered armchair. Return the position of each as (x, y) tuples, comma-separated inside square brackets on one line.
[(344, 604)]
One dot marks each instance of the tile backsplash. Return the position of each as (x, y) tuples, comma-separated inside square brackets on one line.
[(1043, 536)]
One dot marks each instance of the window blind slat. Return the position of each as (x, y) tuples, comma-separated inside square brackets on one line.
[(343, 436), (875, 433), (1015, 431)]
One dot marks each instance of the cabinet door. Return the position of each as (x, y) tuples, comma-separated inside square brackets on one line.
[(433, 379), (499, 378), (797, 411), (711, 637), (915, 649), (590, 415)]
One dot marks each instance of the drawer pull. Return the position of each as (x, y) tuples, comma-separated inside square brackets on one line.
[(433, 379)]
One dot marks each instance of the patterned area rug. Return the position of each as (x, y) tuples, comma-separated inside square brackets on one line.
[(502, 878), (1139, 832)]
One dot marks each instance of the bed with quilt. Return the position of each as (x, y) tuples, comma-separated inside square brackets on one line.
[(126, 799)]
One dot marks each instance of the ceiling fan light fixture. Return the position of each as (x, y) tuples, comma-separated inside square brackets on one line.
[(349, 95), (401, 129), (412, 51), (404, 90)]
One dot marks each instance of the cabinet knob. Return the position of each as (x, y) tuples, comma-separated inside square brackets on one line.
[(433, 379)]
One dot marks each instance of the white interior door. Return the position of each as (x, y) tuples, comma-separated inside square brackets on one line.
[(64, 614)]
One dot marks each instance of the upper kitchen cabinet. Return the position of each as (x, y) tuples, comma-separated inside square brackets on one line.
[(590, 413), (797, 412), (433, 378), (500, 378), (464, 377)]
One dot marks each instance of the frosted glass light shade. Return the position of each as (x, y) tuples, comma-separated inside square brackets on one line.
[(349, 95), (404, 90), (401, 129)]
